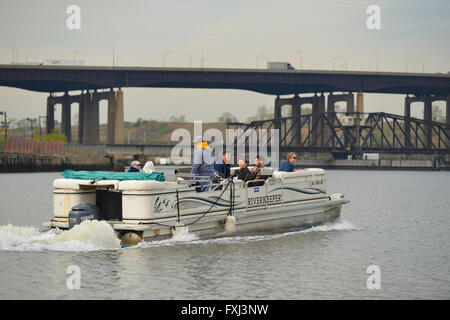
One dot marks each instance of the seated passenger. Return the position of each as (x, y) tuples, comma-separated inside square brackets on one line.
[(258, 166), (149, 167), (243, 169), (288, 166), (222, 167), (135, 166)]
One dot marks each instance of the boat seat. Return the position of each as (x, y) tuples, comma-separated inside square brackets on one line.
[(297, 174), (78, 184), (147, 185)]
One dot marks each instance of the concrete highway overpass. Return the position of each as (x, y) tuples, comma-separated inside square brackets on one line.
[(273, 82), (418, 87)]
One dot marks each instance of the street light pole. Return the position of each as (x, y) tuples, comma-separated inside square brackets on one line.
[(342, 59), (301, 58), (190, 59), (257, 57), (13, 48), (26, 57), (117, 60), (376, 54), (423, 65), (202, 60), (114, 56), (5, 123), (164, 57), (40, 127), (408, 62)]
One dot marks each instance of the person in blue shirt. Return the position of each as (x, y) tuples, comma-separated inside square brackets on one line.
[(222, 167), (203, 162), (288, 165), (135, 166)]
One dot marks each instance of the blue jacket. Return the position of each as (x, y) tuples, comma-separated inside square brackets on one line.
[(286, 166), (133, 169), (203, 162), (223, 169)]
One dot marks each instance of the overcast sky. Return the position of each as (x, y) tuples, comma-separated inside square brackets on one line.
[(231, 34)]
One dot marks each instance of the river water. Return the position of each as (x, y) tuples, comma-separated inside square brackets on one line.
[(397, 222)]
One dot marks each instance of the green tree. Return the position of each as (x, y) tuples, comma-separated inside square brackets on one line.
[(262, 113), (226, 117), (436, 114), (139, 122), (54, 136), (181, 118)]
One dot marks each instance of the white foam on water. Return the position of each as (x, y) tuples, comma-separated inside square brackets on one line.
[(87, 236), (339, 224), (191, 238), (182, 237)]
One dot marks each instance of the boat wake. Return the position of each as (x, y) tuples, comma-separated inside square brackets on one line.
[(191, 238), (99, 235), (87, 236)]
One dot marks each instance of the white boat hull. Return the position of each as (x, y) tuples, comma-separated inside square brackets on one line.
[(152, 211)]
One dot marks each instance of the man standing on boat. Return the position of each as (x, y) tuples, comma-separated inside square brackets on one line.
[(203, 164), (289, 165)]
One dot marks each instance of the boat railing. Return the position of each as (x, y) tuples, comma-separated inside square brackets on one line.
[(193, 179)]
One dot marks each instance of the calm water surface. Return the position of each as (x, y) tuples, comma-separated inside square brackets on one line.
[(398, 221)]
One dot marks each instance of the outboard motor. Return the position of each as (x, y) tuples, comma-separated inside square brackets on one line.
[(82, 212)]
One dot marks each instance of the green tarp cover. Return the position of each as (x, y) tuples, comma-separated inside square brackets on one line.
[(106, 175)]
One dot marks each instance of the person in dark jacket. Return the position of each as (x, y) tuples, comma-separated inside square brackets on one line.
[(222, 167), (135, 166), (243, 169)]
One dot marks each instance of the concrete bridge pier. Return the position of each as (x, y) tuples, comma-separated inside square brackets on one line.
[(428, 117), (360, 102), (349, 99), (407, 114), (115, 117), (345, 97), (296, 103), (50, 120), (318, 107), (66, 126), (296, 120), (81, 111), (89, 117), (447, 119), (85, 121)]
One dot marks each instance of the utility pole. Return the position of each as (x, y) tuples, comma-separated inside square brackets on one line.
[(190, 59), (5, 126), (40, 127), (376, 54), (114, 56), (301, 58)]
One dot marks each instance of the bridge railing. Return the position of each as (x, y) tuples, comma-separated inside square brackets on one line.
[(17, 145)]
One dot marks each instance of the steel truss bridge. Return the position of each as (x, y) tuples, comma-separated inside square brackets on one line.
[(353, 133)]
